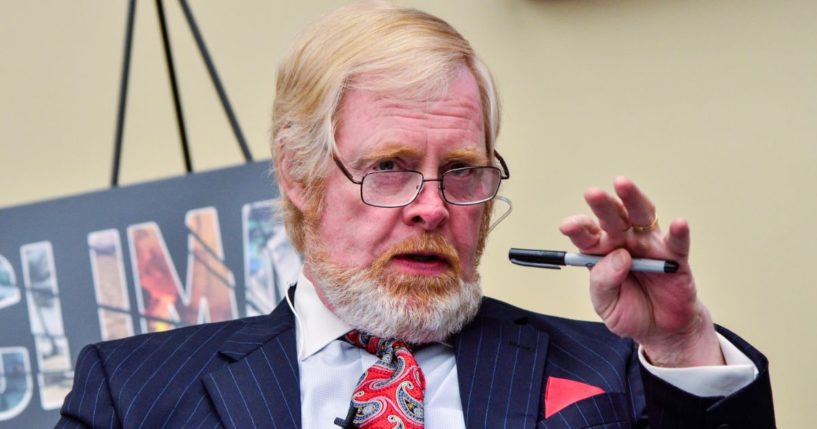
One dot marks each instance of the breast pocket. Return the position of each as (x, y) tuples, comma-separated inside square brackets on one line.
[(606, 410)]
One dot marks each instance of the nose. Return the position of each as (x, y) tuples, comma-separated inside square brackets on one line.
[(428, 210)]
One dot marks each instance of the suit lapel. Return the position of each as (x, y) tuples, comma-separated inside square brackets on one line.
[(500, 367), (260, 387)]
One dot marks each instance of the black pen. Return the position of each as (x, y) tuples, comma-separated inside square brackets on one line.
[(554, 258)]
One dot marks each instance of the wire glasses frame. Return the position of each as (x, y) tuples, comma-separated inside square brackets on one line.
[(459, 186)]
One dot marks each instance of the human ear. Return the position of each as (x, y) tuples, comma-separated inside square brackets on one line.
[(293, 190)]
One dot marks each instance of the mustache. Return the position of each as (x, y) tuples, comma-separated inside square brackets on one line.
[(426, 244)]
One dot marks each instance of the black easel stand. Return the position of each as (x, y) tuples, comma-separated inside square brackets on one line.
[(211, 69)]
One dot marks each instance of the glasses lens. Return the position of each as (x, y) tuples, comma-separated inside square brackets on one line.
[(471, 185), (390, 188)]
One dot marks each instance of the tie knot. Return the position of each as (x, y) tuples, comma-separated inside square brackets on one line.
[(390, 393), (377, 346)]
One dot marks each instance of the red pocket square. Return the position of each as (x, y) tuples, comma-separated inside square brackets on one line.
[(561, 392)]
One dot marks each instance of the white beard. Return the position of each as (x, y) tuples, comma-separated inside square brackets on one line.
[(370, 307)]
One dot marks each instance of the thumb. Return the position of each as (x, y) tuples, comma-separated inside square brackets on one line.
[(606, 279)]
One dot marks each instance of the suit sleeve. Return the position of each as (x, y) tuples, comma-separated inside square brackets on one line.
[(89, 405), (751, 406)]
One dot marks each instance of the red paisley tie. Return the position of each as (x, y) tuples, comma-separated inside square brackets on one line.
[(390, 393)]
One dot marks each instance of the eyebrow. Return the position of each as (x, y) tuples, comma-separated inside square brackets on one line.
[(386, 152), (469, 155)]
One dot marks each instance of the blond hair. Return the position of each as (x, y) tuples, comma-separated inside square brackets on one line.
[(372, 46)]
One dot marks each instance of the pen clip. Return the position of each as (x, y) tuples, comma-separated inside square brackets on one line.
[(535, 264)]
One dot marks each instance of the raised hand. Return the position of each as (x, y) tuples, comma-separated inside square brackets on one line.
[(659, 311)]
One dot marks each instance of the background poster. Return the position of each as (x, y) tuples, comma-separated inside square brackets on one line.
[(105, 265)]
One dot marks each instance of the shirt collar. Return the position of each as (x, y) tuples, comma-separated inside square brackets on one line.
[(316, 325)]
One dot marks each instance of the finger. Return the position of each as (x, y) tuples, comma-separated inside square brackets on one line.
[(606, 279), (582, 231), (677, 239), (611, 213), (640, 209)]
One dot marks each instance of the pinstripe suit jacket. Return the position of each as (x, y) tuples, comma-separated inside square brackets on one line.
[(244, 374)]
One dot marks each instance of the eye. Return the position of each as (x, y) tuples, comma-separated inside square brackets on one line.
[(461, 172), (386, 165), (451, 168), (457, 164)]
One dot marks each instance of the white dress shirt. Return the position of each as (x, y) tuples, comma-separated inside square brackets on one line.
[(330, 368)]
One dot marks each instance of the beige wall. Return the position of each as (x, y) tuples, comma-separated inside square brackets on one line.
[(710, 106)]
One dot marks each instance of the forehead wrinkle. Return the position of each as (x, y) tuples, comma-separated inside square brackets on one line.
[(451, 122), (460, 115)]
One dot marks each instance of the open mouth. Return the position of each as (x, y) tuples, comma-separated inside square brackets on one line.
[(427, 260)]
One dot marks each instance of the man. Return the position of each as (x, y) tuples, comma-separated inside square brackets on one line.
[(384, 132)]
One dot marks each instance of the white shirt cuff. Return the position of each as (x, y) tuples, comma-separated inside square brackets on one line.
[(720, 380)]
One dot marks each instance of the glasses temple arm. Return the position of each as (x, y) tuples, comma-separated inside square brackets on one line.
[(506, 173)]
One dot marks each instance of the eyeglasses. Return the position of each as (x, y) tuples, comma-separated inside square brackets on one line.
[(459, 186)]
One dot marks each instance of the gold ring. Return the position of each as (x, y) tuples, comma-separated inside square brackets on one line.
[(646, 228)]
